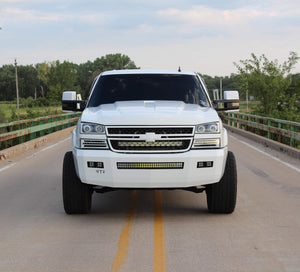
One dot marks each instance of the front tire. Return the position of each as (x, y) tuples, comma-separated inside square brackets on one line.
[(221, 196), (77, 196)]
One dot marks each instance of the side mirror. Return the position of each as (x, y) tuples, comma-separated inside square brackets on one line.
[(230, 102), (70, 102)]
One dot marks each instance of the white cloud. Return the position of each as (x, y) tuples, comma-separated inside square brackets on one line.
[(92, 18), (27, 15), (145, 28), (12, 1), (258, 16), (204, 16), (23, 14)]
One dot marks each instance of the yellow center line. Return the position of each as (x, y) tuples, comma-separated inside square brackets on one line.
[(159, 263), (123, 246)]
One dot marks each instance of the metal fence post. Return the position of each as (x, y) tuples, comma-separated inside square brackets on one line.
[(292, 141), (269, 125)]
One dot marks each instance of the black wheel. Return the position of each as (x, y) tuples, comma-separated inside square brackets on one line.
[(77, 196), (221, 196)]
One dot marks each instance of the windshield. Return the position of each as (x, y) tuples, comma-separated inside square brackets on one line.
[(113, 88)]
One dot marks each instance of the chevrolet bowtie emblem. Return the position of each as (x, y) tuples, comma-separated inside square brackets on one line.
[(151, 137)]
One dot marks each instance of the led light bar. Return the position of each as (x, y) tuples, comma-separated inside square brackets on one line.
[(149, 144), (150, 165)]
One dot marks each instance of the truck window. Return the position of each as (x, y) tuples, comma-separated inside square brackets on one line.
[(113, 88)]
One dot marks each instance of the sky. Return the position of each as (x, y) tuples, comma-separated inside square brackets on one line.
[(201, 36)]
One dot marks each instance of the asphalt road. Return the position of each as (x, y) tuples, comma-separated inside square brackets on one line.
[(150, 230)]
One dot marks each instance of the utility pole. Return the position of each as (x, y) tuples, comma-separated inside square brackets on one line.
[(221, 87), (247, 96), (17, 89)]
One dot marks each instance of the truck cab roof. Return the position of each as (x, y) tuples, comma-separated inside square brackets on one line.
[(146, 71)]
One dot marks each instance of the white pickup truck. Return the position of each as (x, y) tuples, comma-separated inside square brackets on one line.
[(149, 129)]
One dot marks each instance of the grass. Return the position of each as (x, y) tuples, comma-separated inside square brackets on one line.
[(8, 112)]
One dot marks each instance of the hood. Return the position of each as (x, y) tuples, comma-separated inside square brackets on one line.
[(149, 113)]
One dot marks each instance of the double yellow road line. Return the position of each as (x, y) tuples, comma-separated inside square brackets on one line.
[(159, 263)]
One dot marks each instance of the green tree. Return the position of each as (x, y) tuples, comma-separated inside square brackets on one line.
[(28, 81), (7, 83), (114, 62), (291, 110), (62, 77), (268, 81), (85, 77), (43, 70)]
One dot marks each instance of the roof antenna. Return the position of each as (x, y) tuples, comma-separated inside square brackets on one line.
[(179, 70)]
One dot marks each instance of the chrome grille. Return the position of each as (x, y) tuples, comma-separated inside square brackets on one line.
[(144, 130), (150, 139)]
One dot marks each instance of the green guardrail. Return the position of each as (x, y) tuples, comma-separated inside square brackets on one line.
[(283, 131), (18, 132)]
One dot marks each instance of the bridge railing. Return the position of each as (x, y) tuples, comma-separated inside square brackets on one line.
[(283, 131), (18, 132)]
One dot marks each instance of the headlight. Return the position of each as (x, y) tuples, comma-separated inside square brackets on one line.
[(90, 128), (208, 128)]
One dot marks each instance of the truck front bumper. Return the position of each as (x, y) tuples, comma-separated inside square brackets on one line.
[(179, 170)]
